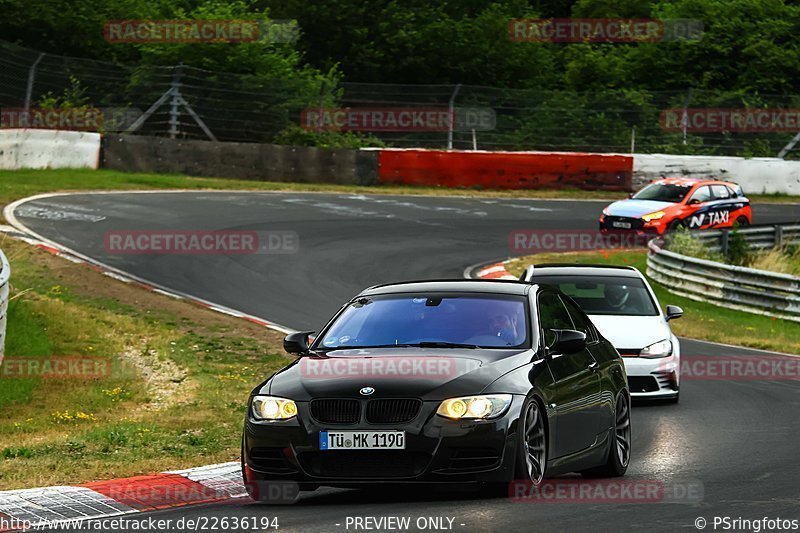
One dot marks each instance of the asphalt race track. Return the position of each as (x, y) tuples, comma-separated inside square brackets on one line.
[(735, 439)]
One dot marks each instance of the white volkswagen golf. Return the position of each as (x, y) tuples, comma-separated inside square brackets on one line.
[(623, 306)]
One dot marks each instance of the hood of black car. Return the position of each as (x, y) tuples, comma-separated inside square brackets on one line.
[(430, 374)]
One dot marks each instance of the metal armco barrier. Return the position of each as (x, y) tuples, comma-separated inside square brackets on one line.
[(757, 237), (733, 287), (5, 274)]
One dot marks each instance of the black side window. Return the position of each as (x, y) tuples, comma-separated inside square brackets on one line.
[(579, 318), (552, 315), (703, 194)]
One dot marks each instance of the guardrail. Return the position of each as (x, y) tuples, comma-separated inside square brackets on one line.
[(733, 287), (5, 275), (758, 237)]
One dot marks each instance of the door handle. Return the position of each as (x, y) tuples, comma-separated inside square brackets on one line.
[(593, 366)]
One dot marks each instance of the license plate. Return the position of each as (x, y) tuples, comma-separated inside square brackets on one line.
[(626, 225), (362, 440)]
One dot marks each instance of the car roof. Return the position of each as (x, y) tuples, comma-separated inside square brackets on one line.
[(687, 181), (450, 285), (572, 269)]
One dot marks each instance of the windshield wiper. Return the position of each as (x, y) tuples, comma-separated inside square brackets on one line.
[(429, 344), (423, 344), (443, 344)]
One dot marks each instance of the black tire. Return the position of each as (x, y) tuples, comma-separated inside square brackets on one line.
[(741, 222), (531, 465), (619, 449), (675, 224), (252, 487), (244, 476)]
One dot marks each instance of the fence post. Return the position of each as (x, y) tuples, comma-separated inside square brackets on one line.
[(175, 103), (31, 79), (321, 108), (685, 118), (633, 139), (778, 236), (450, 107), (789, 147), (723, 243)]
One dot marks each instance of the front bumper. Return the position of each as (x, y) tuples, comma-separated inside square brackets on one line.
[(438, 450), (620, 224), (653, 378)]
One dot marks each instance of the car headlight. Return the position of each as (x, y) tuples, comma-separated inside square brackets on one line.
[(482, 407), (605, 211), (272, 408), (653, 216), (657, 349)]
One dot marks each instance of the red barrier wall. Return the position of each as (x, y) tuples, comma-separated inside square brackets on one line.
[(506, 170)]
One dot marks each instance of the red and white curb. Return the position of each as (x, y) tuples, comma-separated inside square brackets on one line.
[(494, 271), (102, 499)]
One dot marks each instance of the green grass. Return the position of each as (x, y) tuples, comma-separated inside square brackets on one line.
[(785, 260), (701, 320), (175, 397)]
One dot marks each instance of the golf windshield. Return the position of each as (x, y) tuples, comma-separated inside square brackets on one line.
[(663, 192), (431, 321), (605, 295)]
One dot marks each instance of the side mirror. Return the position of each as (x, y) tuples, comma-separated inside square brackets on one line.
[(567, 341), (673, 311), (694, 201), (297, 342)]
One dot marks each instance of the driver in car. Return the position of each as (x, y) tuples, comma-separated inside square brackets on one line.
[(618, 298), (504, 326)]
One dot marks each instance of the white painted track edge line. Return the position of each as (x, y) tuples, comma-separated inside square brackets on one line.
[(8, 213)]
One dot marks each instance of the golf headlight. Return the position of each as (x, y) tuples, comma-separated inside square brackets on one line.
[(475, 407), (272, 408), (653, 216), (658, 349)]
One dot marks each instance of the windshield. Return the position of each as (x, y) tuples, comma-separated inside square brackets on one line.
[(431, 321), (663, 192), (605, 295)]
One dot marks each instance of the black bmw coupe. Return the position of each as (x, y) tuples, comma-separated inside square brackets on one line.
[(442, 382)]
